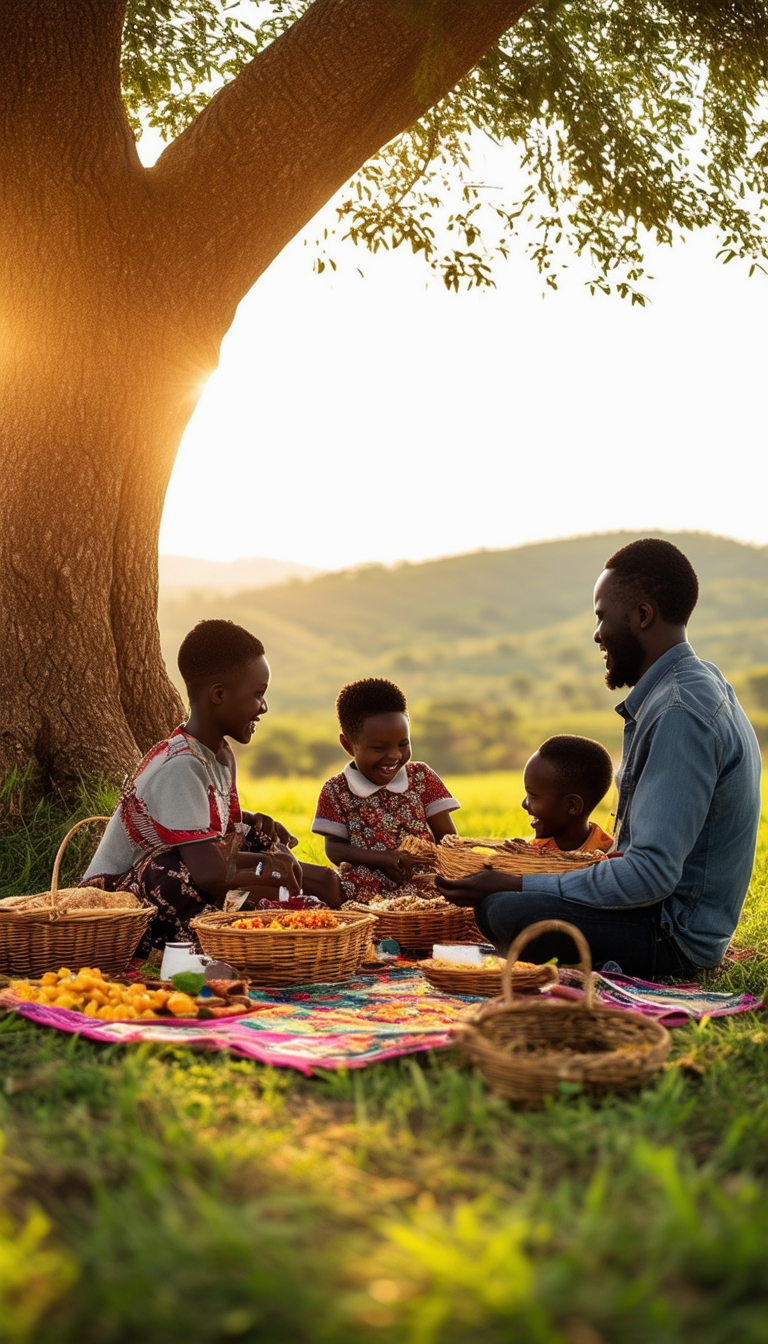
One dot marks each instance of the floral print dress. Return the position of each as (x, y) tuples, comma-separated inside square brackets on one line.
[(366, 816)]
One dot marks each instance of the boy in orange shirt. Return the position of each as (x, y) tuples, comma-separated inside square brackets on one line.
[(564, 780)]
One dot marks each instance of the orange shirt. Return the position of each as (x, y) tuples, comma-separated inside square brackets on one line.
[(597, 839)]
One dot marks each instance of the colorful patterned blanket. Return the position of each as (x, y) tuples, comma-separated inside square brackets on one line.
[(672, 1005), (378, 1015), (382, 1013)]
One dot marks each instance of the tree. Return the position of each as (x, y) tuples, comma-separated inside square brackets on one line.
[(119, 282)]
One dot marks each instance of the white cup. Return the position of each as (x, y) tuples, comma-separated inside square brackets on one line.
[(178, 957)]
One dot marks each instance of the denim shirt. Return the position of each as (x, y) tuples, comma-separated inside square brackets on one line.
[(688, 810)]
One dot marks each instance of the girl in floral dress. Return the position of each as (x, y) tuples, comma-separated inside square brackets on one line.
[(380, 797)]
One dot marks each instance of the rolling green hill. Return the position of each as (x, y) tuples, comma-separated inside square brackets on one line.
[(472, 624)]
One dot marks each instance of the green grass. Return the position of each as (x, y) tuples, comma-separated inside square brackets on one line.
[(160, 1195)]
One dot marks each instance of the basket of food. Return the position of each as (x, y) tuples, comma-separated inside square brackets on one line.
[(527, 1047), (72, 926), (94, 995), (459, 856), (484, 977), (418, 922), (298, 947)]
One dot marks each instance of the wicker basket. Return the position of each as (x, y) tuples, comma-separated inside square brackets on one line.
[(459, 856), (45, 935), (419, 930), (526, 1047), (486, 982), (292, 956)]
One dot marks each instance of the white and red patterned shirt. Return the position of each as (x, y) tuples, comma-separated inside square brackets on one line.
[(180, 793)]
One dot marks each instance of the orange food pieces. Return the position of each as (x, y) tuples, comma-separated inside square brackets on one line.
[(292, 919)]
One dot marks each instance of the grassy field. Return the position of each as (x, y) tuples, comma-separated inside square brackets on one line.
[(159, 1195)]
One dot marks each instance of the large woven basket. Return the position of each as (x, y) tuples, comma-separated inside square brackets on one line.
[(477, 980), (419, 930), (290, 956), (42, 933), (527, 1047)]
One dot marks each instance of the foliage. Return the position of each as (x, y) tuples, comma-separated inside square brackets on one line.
[(623, 120), (32, 828), (33, 1274)]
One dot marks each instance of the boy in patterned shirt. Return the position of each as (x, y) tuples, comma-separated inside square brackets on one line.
[(380, 797)]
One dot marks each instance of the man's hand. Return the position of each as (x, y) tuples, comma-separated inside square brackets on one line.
[(273, 830), (473, 889)]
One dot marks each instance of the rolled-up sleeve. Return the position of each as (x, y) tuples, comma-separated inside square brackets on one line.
[(669, 807)]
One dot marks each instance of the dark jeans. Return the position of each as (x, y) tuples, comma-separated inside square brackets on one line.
[(634, 939)]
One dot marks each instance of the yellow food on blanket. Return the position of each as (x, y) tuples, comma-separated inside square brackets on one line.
[(88, 992)]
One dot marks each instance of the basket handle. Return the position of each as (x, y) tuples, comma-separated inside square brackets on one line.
[(533, 931), (54, 892)]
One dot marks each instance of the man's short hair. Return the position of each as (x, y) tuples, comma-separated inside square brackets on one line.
[(656, 569), (584, 766), (360, 700), (215, 648)]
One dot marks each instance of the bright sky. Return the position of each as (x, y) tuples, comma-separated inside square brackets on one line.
[(373, 419)]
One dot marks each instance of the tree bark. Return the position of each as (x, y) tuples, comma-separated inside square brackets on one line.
[(118, 286)]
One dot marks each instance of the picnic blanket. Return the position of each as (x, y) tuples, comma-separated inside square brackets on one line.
[(380, 1014), (672, 1005), (377, 1015)]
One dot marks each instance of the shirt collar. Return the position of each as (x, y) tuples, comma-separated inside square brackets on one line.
[(364, 788), (630, 707)]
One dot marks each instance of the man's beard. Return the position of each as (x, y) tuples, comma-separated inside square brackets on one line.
[(626, 655)]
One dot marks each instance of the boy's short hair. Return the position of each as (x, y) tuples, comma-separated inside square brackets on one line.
[(654, 568), (360, 700), (213, 648), (584, 766)]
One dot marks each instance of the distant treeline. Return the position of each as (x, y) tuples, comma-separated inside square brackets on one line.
[(459, 736)]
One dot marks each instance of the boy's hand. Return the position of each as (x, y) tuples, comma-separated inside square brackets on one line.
[(474, 889)]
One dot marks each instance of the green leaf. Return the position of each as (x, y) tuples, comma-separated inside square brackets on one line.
[(188, 982)]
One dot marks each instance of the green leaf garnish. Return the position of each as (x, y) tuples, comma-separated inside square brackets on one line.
[(188, 982)]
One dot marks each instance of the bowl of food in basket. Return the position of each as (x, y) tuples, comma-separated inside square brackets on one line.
[(417, 922), (295, 947), (477, 970)]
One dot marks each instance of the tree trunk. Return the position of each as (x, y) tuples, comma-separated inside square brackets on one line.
[(118, 286)]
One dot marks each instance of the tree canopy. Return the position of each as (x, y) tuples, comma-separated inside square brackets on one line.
[(627, 120)]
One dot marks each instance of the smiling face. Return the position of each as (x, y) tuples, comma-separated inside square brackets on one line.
[(623, 651), (382, 746), (238, 699), (551, 808)]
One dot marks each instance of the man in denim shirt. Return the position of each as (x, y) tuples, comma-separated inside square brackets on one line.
[(689, 795)]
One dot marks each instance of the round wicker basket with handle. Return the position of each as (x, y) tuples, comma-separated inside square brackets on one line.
[(527, 1047), (287, 956), (73, 926)]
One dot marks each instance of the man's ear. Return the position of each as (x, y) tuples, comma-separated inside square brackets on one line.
[(646, 613), (346, 744), (574, 804)]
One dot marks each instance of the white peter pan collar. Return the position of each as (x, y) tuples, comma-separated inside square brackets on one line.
[(364, 788)]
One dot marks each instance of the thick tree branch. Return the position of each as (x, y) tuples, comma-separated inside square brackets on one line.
[(274, 145)]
